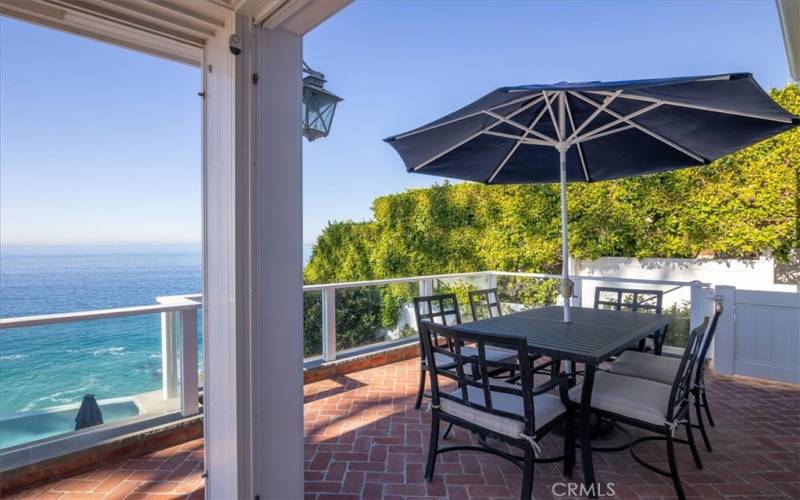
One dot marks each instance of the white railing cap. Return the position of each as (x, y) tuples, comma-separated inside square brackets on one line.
[(48, 319), (172, 303)]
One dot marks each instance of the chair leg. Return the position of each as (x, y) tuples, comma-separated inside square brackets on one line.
[(673, 467), (658, 341), (569, 444), (421, 390), (705, 404), (527, 474), (555, 369), (447, 431), (700, 422), (692, 444), (433, 446)]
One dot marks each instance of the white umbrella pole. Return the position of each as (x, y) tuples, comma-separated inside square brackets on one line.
[(566, 289)]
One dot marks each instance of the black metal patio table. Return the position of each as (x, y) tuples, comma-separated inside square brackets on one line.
[(591, 337)]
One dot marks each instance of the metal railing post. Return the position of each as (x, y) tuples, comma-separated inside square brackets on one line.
[(189, 376), (425, 287), (701, 305), (492, 279), (170, 330), (329, 324), (577, 292)]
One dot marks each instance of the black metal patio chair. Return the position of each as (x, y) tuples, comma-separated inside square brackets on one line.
[(443, 309), (626, 299), (486, 304), (652, 406), (519, 415), (663, 369)]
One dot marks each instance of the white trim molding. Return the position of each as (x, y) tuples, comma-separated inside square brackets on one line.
[(789, 14), (173, 29)]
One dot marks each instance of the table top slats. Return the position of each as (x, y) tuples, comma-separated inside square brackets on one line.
[(592, 336)]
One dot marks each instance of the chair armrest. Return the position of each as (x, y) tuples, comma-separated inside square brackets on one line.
[(557, 381), (562, 382)]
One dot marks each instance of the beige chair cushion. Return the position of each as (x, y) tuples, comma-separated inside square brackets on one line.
[(638, 364), (546, 408), (632, 397)]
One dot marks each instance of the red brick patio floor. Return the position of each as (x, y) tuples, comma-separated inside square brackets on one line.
[(365, 440)]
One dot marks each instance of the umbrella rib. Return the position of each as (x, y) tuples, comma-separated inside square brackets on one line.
[(606, 102), (619, 119), (516, 146), (607, 132), (471, 115), (646, 130), (503, 163), (698, 106), (578, 145), (552, 116), (479, 132), (521, 127), (520, 138)]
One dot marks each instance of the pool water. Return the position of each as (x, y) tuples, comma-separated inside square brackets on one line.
[(24, 427)]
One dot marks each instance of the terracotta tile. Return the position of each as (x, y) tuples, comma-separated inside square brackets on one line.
[(365, 440)]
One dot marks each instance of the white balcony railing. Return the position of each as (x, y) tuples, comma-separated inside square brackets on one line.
[(179, 319), (178, 340), (700, 294)]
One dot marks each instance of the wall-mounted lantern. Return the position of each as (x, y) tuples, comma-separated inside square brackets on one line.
[(319, 105)]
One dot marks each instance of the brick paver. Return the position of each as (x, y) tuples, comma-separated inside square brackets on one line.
[(365, 440)]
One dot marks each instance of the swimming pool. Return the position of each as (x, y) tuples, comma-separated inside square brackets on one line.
[(25, 427)]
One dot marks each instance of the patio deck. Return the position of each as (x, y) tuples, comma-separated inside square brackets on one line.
[(365, 440)]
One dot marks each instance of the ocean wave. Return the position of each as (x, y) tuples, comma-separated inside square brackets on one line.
[(10, 357), (114, 351), (57, 398)]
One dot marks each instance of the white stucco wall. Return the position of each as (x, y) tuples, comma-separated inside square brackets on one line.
[(746, 274)]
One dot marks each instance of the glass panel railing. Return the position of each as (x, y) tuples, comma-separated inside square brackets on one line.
[(461, 286), (517, 293), (372, 314), (46, 371), (312, 323)]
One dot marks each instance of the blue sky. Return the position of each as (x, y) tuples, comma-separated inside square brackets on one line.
[(102, 145)]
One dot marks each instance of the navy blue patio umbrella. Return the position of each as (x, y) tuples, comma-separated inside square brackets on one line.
[(593, 131)]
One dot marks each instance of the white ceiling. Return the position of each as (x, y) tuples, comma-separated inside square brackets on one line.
[(176, 29)]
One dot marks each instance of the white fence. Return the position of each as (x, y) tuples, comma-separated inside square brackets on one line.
[(750, 274), (759, 334)]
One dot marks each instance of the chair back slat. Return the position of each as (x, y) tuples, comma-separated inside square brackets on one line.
[(706, 343), (442, 309), (431, 333), (626, 299), (485, 304), (684, 377)]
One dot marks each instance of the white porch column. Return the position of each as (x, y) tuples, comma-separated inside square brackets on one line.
[(252, 257), (277, 268)]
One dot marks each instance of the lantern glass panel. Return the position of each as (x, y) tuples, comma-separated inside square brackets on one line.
[(318, 110)]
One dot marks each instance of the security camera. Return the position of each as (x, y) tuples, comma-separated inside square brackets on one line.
[(235, 44)]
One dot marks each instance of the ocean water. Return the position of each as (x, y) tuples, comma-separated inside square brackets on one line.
[(52, 365)]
